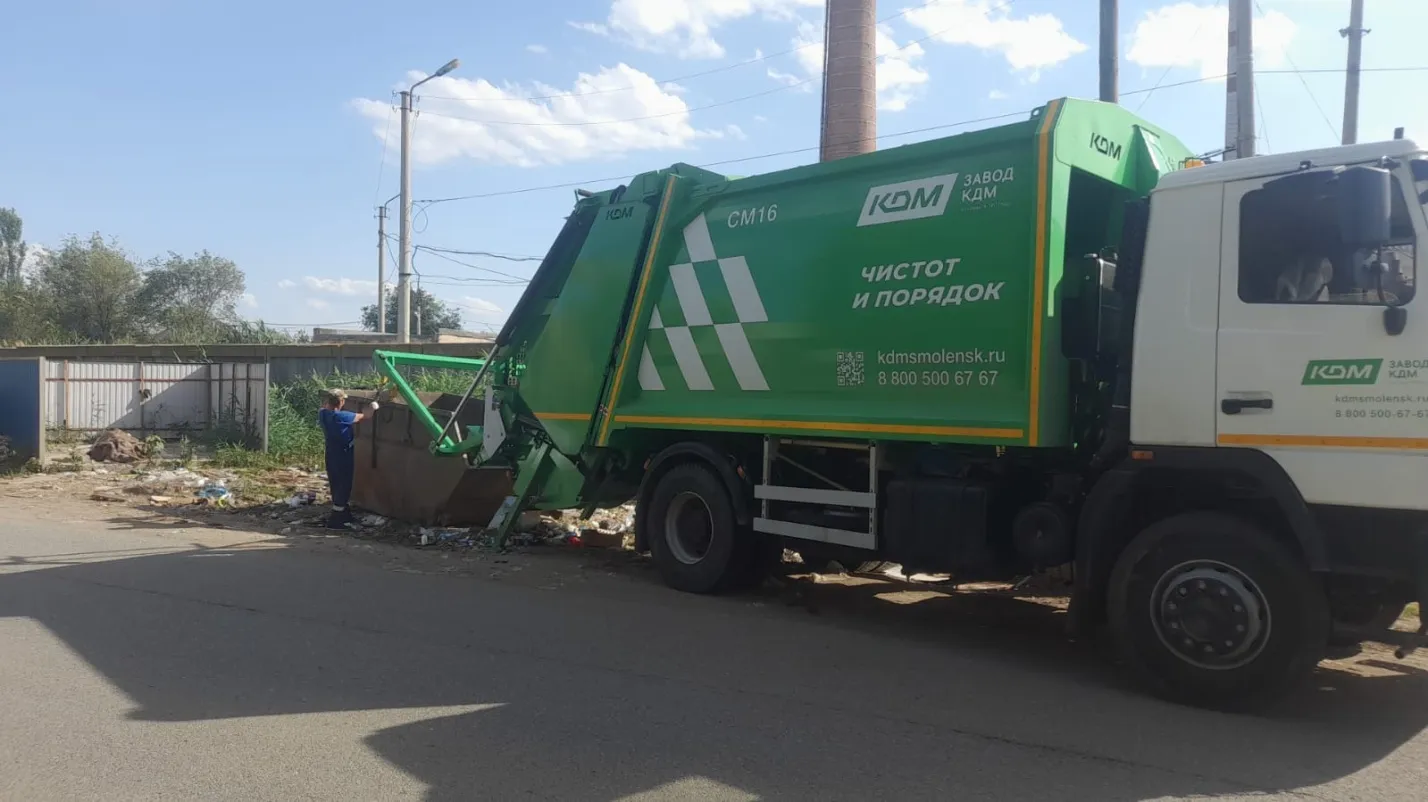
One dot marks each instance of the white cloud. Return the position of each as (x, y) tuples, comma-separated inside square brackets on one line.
[(248, 301), (539, 50), (286, 284), (1194, 36), (789, 79), (997, 94), (1031, 42), (318, 304), (340, 286), (685, 27), (897, 76), (544, 125), (481, 305)]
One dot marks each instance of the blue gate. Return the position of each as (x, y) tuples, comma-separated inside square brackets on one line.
[(21, 411)]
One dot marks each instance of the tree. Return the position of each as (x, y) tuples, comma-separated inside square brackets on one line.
[(190, 299), (12, 245), (90, 288), (429, 313), (26, 317)]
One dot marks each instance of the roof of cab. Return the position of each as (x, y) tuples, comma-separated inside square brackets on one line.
[(1258, 166)]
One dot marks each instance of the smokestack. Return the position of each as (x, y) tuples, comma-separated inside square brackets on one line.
[(850, 86)]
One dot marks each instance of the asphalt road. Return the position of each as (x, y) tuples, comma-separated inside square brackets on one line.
[(165, 662)]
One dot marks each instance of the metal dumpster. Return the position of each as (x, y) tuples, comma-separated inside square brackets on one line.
[(398, 476)]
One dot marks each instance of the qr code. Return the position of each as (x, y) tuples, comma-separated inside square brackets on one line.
[(850, 368)]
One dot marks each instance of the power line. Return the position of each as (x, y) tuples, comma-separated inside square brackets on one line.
[(794, 151), (382, 165), (1166, 74), (693, 75), (1263, 121), (440, 255), (1318, 71), (958, 124), (508, 257), (1300, 73), (309, 325)]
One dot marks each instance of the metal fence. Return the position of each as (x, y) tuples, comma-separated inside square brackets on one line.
[(167, 399)]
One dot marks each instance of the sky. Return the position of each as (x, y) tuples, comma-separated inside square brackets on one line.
[(267, 132)]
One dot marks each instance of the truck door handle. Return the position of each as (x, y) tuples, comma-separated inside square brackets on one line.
[(1234, 406)]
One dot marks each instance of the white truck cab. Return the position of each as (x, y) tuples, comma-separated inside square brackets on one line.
[(1260, 327), (1275, 496)]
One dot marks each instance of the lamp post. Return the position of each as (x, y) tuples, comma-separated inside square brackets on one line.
[(404, 270)]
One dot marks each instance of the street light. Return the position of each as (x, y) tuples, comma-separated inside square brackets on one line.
[(404, 270)]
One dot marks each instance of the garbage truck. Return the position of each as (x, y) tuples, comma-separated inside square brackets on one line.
[(1198, 389)]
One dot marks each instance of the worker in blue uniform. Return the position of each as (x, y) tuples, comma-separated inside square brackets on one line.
[(337, 426)]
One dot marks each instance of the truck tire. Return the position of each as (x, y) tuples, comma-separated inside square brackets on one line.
[(695, 540), (1210, 610)]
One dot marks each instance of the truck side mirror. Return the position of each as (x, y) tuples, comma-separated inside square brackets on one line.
[(1364, 197)]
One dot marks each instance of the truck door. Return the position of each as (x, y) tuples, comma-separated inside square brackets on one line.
[(1308, 369)]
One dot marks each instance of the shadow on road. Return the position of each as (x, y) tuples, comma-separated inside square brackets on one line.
[(600, 693)]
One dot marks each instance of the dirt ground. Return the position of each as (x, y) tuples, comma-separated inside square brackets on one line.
[(290, 506)]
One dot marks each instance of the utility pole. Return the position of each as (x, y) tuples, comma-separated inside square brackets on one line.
[(404, 265), (1239, 88), (381, 270), (404, 268), (1110, 51), (1355, 34)]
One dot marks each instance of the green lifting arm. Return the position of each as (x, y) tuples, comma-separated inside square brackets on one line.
[(386, 363)]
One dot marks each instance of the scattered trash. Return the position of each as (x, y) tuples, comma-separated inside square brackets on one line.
[(215, 493), (370, 519), (106, 495), (160, 499), (429, 536), (178, 476), (303, 499), (117, 445)]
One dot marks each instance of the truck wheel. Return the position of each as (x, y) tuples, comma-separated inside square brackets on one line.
[(695, 540), (1212, 611)]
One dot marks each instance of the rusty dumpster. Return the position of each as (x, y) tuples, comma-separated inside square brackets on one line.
[(398, 476)]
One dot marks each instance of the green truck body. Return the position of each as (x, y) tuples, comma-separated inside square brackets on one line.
[(909, 294)]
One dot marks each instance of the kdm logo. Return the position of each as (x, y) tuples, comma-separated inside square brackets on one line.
[(908, 200), (1342, 371)]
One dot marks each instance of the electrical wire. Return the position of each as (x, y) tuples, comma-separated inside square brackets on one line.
[(508, 257), (468, 264), (693, 75), (382, 165), (1316, 71), (308, 325), (1263, 123), (1166, 74), (428, 202), (1312, 97), (794, 151)]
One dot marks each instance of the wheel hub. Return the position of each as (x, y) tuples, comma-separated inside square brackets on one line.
[(1210, 615), (688, 528)]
